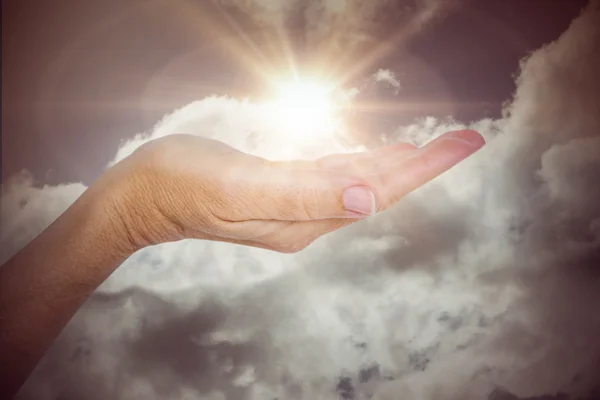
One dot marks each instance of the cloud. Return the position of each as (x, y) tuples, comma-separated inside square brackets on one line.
[(387, 76), (482, 284), (27, 210)]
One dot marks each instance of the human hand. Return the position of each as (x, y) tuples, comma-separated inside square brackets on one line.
[(188, 187), (184, 186)]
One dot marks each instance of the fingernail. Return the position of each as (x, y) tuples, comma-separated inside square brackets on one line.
[(468, 136), (360, 199)]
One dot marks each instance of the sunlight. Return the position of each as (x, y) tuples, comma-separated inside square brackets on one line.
[(305, 108)]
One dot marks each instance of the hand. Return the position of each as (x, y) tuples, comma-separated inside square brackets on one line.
[(184, 186), (188, 187)]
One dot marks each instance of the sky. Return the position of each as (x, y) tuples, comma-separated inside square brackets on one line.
[(481, 285), (79, 76)]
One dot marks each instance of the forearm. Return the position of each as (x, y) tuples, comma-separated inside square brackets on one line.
[(44, 284)]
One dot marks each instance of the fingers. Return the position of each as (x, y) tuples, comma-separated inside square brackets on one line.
[(350, 185), (422, 165), (300, 191), (396, 170), (365, 160), (331, 187)]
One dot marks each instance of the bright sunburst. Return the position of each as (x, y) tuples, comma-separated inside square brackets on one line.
[(305, 107)]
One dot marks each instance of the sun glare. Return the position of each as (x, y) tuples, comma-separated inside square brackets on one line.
[(305, 108)]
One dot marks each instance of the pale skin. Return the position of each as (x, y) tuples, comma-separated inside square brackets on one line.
[(185, 186)]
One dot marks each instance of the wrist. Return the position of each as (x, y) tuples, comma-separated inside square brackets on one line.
[(102, 205), (127, 202)]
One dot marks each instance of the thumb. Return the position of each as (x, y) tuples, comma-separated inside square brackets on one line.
[(301, 191)]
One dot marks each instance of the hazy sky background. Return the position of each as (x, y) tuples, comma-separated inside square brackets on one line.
[(79, 76), (483, 284)]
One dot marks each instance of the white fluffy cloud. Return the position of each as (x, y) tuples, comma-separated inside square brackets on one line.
[(484, 282)]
